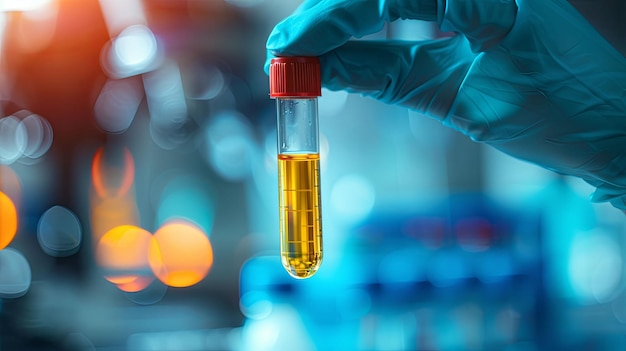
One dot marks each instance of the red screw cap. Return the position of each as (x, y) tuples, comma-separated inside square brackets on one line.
[(295, 76)]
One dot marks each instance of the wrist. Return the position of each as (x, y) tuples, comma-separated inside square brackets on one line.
[(425, 10)]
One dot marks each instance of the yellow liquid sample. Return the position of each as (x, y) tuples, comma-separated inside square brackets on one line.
[(300, 213)]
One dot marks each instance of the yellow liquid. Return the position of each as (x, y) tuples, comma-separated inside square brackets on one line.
[(300, 213)]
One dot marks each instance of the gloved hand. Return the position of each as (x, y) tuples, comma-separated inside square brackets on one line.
[(531, 78)]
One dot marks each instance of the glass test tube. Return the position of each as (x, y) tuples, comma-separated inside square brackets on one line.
[(295, 84)]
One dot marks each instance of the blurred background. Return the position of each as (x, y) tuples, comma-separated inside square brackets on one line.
[(139, 211)]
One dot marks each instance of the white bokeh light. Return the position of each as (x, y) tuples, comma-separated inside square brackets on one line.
[(136, 46), (134, 51), (229, 145), (35, 137), (595, 267), (23, 5), (169, 119), (15, 274), (117, 104), (352, 198), (13, 139)]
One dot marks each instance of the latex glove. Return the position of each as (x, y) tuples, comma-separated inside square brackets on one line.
[(531, 78)]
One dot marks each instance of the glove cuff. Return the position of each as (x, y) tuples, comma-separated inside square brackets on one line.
[(425, 10)]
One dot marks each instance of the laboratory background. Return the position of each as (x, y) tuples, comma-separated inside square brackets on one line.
[(139, 204)]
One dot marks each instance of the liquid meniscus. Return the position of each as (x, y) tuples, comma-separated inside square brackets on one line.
[(300, 213)]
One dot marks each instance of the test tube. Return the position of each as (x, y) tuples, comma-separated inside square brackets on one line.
[(295, 85)]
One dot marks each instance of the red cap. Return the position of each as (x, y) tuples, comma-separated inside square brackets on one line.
[(295, 76)]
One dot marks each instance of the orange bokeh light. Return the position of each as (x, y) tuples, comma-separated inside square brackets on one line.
[(123, 255), (137, 284), (180, 254), (8, 221), (112, 194), (102, 177)]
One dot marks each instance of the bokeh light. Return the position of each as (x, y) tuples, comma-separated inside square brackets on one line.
[(229, 145), (23, 5), (150, 295), (119, 15), (170, 125), (34, 30), (203, 82), (59, 232), (256, 304), (8, 220), (181, 254), (352, 198), (618, 305), (24, 136), (134, 51), (15, 274), (595, 267), (136, 46), (38, 136), (117, 104), (283, 329), (12, 140), (112, 198), (262, 334), (474, 234), (122, 253), (186, 196), (112, 181)]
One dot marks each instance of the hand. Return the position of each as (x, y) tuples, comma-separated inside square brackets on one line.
[(533, 79)]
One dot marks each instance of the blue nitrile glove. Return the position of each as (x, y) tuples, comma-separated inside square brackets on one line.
[(531, 78)]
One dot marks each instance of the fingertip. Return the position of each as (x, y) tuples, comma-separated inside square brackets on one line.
[(274, 40), (268, 58), (274, 46)]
